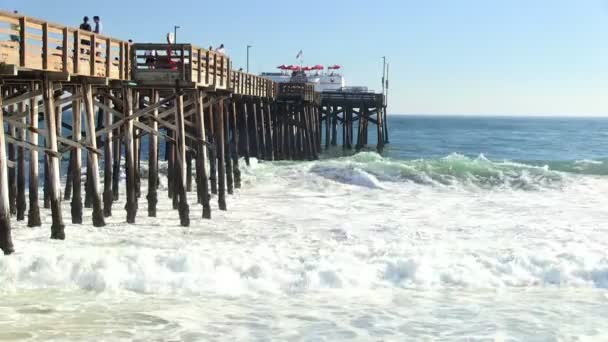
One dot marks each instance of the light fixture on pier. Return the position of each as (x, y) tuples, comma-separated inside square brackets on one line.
[(248, 47)]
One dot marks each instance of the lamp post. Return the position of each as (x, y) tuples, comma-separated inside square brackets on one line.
[(175, 27), (248, 47), (383, 72)]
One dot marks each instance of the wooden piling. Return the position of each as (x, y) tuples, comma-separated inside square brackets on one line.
[(67, 193), (57, 227), (6, 240), (76, 203), (262, 130), (152, 196), (245, 130), (138, 104), (33, 216), (254, 129), (92, 159), (379, 125), (270, 147), (334, 124), (235, 146), (180, 161), (226, 127), (189, 171), (131, 205), (21, 202), (212, 151), (116, 170), (385, 123), (202, 183), (221, 154), (12, 174), (108, 159)]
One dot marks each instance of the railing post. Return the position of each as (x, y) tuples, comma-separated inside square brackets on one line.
[(198, 61), (121, 61), (45, 46), (182, 59), (108, 57), (65, 51), (22, 58), (76, 51), (208, 57), (92, 54)]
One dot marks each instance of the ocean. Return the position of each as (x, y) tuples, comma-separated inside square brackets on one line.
[(465, 228)]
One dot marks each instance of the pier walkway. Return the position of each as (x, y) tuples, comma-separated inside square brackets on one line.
[(66, 94)]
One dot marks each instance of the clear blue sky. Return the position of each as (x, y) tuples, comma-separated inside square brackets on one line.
[(519, 57)]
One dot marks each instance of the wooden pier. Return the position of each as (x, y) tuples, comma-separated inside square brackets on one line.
[(66, 94)]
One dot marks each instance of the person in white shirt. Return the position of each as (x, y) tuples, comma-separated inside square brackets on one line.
[(98, 25), (221, 49)]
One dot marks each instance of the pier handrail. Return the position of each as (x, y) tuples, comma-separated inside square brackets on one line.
[(35, 44), (251, 85)]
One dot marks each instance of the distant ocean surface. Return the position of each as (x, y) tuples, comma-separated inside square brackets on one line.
[(465, 228)]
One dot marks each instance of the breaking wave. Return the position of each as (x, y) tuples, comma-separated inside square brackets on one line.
[(370, 170)]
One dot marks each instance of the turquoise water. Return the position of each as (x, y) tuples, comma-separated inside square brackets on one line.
[(498, 138)]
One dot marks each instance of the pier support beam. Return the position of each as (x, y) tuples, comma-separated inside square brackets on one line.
[(108, 164), (202, 184), (131, 205), (180, 162), (254, 129), (21, 202), (228, 150), (379, 125), (245, 131), (6, 240), (92, 159), (262, 131), (57, 227), (76, 204), (221, 154), (33, 216), (12, 184), (270, 140), (116, 171), (235, 146), (152, 196)]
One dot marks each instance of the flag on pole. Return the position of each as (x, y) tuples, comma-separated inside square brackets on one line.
[(299, 55)]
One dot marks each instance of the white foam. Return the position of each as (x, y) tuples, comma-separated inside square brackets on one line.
[(326, 230)]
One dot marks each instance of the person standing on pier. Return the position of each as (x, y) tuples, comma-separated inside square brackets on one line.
[(98, 25), (221, 49), (98, 29), (85, 24)]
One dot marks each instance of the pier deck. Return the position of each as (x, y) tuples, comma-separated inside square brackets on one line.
[(68, 95)]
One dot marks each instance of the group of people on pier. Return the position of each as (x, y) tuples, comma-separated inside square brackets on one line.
[(87, 27)]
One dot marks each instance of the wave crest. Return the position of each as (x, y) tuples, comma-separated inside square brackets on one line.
[(453, 170)]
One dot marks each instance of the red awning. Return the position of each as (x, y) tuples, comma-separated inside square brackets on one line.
[(282, 67), (335, 66), (318, 67)]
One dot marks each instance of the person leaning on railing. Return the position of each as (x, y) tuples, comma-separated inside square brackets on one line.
[(85, 26)]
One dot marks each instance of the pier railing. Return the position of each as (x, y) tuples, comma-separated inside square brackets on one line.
[(190, 66), (34, 44), (297, 91), (251, 85), (337, 97)]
